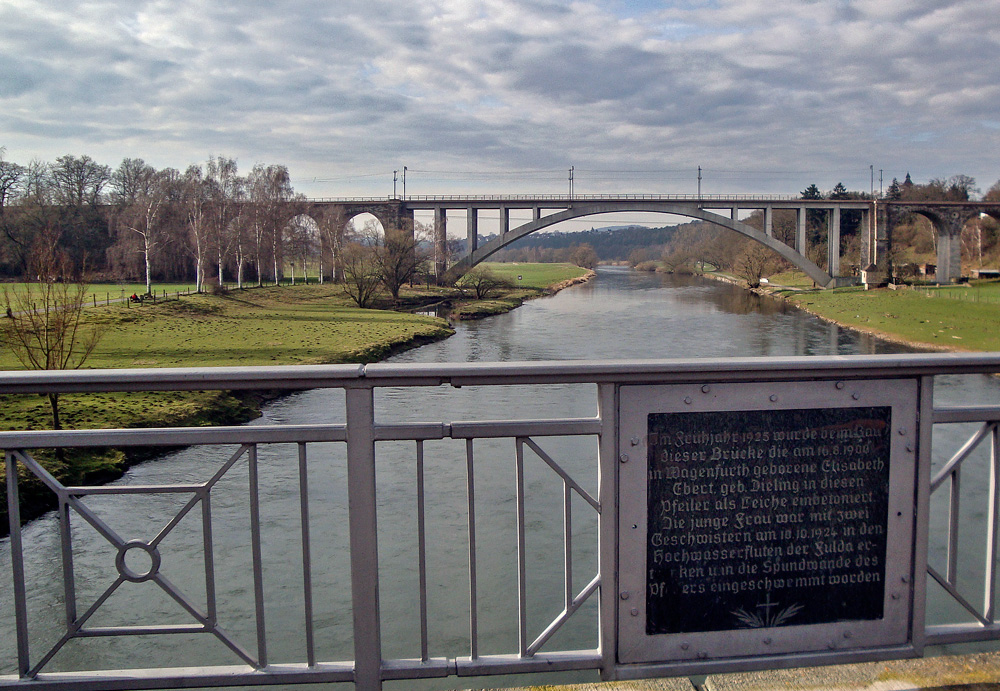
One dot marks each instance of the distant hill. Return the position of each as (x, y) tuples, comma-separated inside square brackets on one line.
[(612, 243)]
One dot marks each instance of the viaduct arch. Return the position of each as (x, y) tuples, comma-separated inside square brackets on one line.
[(480, 254), (878, 217)]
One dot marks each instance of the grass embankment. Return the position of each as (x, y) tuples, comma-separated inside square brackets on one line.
[(946, 318), (526, 280), (265, 326)]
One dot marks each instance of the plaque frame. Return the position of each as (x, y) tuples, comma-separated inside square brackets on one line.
[(895, 630)]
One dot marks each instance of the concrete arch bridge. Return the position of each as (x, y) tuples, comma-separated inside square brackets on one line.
[(722, 210)]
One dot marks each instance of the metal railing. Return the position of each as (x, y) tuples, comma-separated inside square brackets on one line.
[(561, 198), (363, 439)]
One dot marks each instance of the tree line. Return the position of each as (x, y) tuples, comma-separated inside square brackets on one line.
[(208, 224)]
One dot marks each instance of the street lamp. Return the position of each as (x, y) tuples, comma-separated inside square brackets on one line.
[(394, 183), (404, 182)]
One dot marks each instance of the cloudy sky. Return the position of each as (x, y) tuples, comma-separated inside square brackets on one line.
[(501, 96)]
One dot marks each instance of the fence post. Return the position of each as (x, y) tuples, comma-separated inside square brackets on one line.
[(607, 536), (362, 519)]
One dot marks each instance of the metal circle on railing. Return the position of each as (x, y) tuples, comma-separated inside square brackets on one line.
[(130, 573)]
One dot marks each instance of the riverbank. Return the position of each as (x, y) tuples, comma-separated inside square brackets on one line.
[(920, 319), (529, 281)]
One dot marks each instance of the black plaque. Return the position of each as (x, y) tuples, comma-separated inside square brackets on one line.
[(766, 518)]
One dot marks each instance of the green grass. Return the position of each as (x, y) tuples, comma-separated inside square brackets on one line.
[(108, 292), (268, 326), (910, 316), (538, 276), (987, 291), (792, 279)]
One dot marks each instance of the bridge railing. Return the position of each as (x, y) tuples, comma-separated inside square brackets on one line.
[(372, 547), (558, 198)]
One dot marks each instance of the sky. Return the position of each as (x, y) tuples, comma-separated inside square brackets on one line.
[(505, 96)]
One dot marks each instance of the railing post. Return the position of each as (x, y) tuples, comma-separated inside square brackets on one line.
[(921, 533), (17, 562), (607, 535), (362, 518)]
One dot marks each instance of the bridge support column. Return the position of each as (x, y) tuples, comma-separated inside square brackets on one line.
[(949, 254), (440, 242), (472, 232), (867, 235), (536, 213), (769, 221), (833, 243), (800, 231), (504, 220)]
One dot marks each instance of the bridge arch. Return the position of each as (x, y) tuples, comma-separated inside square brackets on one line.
[(947, 221), (817, 274)]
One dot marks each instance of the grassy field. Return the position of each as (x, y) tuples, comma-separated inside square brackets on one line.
[(529, 280), (104, 293), (539, 276), (909, 316), (267, 326)]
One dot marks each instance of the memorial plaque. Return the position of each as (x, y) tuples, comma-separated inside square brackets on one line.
[(766, 519), (759, 519)]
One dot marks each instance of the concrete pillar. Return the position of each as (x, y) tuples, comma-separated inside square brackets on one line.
[(536, 213), (734, 213), (833, 242), (949, 254), (472, 234), (440, 242), (504, 220), (867, 237), (800, 231), (769, 221)]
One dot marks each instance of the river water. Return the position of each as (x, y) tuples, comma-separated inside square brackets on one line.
[(620, 314)]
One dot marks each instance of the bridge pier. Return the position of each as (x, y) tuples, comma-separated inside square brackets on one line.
[(833, 242), (440, 243), (800, 230), (472, 230), (948, 219)]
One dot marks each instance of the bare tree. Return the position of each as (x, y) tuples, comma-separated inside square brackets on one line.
[(269, 190), (141, 191), (484, 282), (362, 278), (222, 182), (10, 175), (753, 263), (194, 200), (396, 256), (79, 181), (583, 256), (45, 326)]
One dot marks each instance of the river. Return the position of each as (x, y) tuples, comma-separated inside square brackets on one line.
[(620, 314)]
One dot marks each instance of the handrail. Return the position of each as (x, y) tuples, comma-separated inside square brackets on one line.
[(364, 440)]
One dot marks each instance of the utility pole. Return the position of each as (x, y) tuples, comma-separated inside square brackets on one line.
[(871, 168), (879, 182), (404, 183), (394, 183), (699, 182), (571, 169)]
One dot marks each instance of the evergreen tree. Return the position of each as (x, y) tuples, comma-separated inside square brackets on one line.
[(812, 192)]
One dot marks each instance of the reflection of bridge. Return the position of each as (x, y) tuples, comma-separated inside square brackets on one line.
[(877, 218)]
